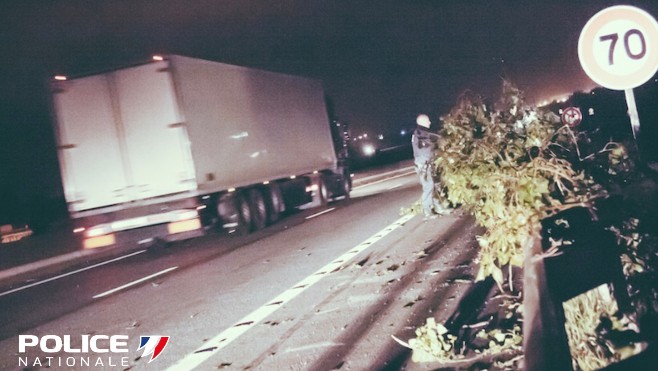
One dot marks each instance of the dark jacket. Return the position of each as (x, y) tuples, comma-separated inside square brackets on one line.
[(424, 144)]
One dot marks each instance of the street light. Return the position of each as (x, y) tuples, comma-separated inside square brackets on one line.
[(368, 149)]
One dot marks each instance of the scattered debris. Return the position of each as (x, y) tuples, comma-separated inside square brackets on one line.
[(133, 325), (337, 269), (461, 279), (410, 304), (421, 254), (209, 349), (363, 261)]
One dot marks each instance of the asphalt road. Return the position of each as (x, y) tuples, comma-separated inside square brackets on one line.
[(322, 289)]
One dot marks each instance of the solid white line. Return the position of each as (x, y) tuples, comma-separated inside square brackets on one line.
[(383, 180), (320, 213), (133, 283), (214, 345), (70, 273)]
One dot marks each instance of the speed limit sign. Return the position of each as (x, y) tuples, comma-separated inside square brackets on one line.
[(618, 47)]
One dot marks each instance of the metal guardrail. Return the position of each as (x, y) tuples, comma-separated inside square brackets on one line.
[(550, 279)]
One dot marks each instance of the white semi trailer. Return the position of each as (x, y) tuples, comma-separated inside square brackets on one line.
[(177, 145)]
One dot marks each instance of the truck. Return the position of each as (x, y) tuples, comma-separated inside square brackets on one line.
[(176, 146)]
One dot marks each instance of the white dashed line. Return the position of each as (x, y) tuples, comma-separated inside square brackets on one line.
[(70, 273), (320, 213), (133, 283)]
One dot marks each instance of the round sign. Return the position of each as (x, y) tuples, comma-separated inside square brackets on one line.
[(618, 47), (572, 116)]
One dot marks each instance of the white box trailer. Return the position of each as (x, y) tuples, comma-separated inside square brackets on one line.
[(178, 144)]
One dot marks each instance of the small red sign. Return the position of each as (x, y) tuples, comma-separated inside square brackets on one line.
[(572, 116)]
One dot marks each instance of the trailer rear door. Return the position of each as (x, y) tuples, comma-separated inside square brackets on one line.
[(156, 144), (120, 138), (89, 150)]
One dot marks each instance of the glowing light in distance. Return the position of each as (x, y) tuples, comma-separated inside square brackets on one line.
[(368, 149)]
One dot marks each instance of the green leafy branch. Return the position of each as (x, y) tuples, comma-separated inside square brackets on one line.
[(510, 167)]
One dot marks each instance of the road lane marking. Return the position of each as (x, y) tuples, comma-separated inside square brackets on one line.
[(324, 344), (384, 180), (133, 283), (224, 338), (320, 213), (387, 173), (70, 273)]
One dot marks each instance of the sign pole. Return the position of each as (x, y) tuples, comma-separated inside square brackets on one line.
[(635, 118)]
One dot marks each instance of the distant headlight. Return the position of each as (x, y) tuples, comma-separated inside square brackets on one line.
[(368, 149)]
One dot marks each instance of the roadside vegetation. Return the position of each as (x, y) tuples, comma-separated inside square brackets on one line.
[(513, 167)]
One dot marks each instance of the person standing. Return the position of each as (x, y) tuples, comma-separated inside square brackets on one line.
[(424, 144)]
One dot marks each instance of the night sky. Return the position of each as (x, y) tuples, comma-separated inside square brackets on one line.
[(382, 62)]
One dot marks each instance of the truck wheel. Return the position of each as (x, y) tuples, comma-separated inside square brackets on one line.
[(245, 213), (258, 208), (323, 192), (275, 202), (234, 214), (347, 187)]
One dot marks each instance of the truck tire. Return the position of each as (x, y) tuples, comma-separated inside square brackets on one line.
[(346, 185), (234, 214), (323, 192), (258, 208), (246, 216), (275, 203)]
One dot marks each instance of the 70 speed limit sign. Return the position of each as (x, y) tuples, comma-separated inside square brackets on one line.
[(618, 47)]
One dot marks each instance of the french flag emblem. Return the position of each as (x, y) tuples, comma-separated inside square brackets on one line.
[(152, 345)]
